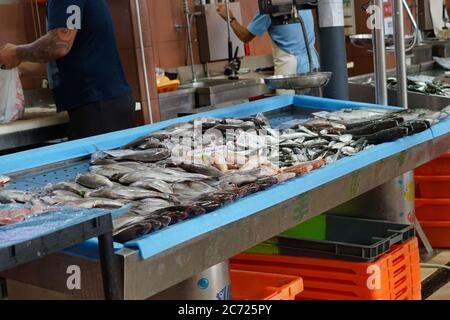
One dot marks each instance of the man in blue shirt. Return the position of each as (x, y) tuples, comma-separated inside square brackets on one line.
[(289, 48), (84, 68)]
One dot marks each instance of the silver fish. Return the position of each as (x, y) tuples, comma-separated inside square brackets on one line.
[(238, 179), (315, 143), (93, 181), (112, 172), (349, 151), (125, 193), (209, 171), (59, 199), (154, 185), (346, 138), (150, 155), (16, 196), (164, 174), (65, 193), (97, 203), (68, 186), (4, 180), (190, 188)]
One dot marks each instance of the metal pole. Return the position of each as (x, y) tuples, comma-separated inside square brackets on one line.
[(402, 100), (230, 43), (379, 56), (144, 61), (110, 271), (190, 42), (400, 54), (333, 53)]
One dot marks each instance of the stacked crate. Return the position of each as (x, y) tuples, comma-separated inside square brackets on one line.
[(433, 200), (394, 276)]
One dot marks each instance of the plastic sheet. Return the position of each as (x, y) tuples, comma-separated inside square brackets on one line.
[(45, 224)]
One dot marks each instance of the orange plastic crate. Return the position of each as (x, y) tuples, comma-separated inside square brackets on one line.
[(438, 167), (433, 210), (434, 216), (395, 276), (438, 233), (247, 285), (433, 187)]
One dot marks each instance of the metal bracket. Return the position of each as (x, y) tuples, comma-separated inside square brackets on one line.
[(423, 237)]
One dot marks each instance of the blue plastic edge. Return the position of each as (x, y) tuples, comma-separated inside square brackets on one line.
[(158, 242)]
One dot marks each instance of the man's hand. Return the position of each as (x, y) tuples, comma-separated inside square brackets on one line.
[(222, 11), (8, 57)]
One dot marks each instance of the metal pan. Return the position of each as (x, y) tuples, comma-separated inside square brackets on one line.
[(298, 81)]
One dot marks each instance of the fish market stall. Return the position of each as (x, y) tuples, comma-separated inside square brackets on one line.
[(427, 86), (322, 164)]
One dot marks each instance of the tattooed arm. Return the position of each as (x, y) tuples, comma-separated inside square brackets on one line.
[(54, 45)]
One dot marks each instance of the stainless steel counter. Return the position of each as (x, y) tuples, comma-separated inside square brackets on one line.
[(362, 89), (171, 104), (218, 90), (41, 122)]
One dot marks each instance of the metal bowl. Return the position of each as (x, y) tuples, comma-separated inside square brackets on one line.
[(365, 41), (298, 81)]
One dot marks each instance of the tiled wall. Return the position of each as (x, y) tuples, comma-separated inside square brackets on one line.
[(170, 45), (17, 26), (164, 46)]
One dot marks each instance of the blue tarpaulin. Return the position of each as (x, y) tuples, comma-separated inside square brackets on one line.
[(44, 224)]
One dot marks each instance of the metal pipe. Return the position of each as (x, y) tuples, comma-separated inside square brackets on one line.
[(144, 62), (187, 14), (399, 35), (333, 54), (230, 43), (417, 32), (110, 269), (379, 56)]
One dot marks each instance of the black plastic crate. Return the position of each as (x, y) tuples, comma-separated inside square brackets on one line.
[(349, 239)]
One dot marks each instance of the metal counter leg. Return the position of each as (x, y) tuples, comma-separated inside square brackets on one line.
[(3, 294), (110, 272)]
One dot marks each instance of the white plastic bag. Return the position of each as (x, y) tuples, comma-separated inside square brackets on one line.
[(12, 100)]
